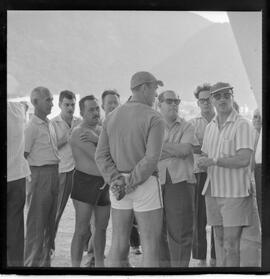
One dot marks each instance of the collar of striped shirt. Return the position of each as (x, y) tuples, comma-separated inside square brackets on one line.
[(231, 118)]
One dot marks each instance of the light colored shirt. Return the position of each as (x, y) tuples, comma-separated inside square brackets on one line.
[(131, 142), (235, 134), (17, 166), (199, 123), (40, 142), (180, 169), (258, 153), (61, 129)]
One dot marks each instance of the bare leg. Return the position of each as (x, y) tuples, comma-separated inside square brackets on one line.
[(150, 226), (82, 218), (121, 227), (102, 215), (218, 233), (232, 245)]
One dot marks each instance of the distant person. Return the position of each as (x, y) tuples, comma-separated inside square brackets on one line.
[(257, 124), (63, 125), (207, 113), (229, 204), (17, 171), (42, 155), (89, 192), (177, 179), (257, 120), (127, 155)]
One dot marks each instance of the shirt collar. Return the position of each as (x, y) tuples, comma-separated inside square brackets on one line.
[(59, 118), (39, 121), (231, 118)]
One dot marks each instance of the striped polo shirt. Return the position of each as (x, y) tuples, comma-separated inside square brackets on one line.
[(235, 134)]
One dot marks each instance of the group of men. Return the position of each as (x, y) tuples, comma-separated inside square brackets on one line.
[(174, 176)]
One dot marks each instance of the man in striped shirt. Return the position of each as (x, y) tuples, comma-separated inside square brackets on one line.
[(228, 145)]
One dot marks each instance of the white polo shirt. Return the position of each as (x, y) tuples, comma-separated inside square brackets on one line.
[(62, 128), (236, 133), (17, 166)]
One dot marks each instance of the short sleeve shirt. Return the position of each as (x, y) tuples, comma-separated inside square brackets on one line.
[(180, 169), (235, 134), (41, 142), (62, 128), (17, 166), (199, 124)]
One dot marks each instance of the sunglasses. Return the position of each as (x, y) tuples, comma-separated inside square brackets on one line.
[(202, 100), (227, 95), (170, 101)]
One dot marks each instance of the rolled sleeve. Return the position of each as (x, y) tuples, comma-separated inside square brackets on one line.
[(244, 136)]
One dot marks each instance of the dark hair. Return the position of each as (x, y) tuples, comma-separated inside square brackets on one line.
[(66, 94), (85, 98), (204, 87), (109, 92), (161, 95)]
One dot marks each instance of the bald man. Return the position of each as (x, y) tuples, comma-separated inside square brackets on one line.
[(42, 156)]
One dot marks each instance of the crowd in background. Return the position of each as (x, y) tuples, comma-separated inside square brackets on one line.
[(160, 178)]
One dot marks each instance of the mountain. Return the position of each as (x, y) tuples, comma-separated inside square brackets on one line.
[(211, 55), (89, 51)]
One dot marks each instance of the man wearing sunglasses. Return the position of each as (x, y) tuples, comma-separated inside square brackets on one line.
[(199, 246), (228, 144), (177, 179)]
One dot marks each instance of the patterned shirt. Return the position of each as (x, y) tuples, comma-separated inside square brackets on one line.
[(199, 124), (180, 169), (40, 142), (235, 134), (61, 128)]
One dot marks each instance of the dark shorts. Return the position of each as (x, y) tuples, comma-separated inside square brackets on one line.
[(86, 188)]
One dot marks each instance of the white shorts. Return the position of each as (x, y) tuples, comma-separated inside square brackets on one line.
[(146, 197)]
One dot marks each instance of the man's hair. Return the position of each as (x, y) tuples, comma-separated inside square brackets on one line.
[(109, 92), (161, 95), (66, 94), (85, 98), (200, 88), (138, 88), (37, 92)]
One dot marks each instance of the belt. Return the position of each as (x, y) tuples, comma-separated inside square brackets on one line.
[(45, 166), (155, 173)]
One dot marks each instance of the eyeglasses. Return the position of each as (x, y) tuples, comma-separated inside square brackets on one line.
[(170, 101), (226, 95), (202, 100)]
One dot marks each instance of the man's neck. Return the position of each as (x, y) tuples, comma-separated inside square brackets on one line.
[(222, 117), (138, 98), (86, 124), (209, 115), (67, 119), (40, 115), (170, 121)]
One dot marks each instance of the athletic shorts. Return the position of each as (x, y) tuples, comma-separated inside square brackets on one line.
[(146, 197), (90, 189), (229, 212)]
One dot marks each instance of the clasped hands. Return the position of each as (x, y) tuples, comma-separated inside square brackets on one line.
[(120, 187), (205, 162)]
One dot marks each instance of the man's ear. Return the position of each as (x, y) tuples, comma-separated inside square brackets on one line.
[(198, 103), (159, 104), (59, 104), (102, 106)]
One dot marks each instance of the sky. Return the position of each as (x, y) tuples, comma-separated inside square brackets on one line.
[(214, 16)]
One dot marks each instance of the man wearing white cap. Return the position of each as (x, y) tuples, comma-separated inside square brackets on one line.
[(127, 155), (228, 144)]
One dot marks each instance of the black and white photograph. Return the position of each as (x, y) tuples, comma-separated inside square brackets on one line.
[(134, 141)]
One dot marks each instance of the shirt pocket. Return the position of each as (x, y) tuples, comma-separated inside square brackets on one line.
[(227, 148)]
